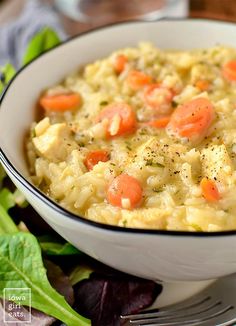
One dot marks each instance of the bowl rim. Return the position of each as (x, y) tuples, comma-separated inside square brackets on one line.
[(55, 206)]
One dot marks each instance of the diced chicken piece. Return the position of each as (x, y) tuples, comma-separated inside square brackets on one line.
[(55, 142), (42, 126), (156, 153), (153, 157), (148, 154), (145, 158), (216, 163)]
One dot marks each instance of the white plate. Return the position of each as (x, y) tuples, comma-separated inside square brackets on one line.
[(176, 292), (217, 302)]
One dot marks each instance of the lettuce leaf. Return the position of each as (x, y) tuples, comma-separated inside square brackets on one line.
[(58, 249), (59, 281), (6, 74), (54, 245), (6, 223), (2, 174), (80, 273), (105, 295), (44, 40), (7, 201), (21, 267)]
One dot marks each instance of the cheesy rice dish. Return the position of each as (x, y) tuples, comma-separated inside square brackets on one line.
[(145, 138)]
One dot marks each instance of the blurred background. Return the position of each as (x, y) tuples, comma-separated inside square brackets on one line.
[(217, 9), (20, 20)]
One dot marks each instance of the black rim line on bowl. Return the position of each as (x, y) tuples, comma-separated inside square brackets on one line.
[(30, 187)]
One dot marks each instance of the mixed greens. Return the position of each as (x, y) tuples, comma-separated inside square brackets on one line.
[(75, 291), (21, 266)]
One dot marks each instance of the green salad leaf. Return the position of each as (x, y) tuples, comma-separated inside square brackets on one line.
[(7, 73), (19, 199), (44, 40), (6, 202), (58, 249), (80, 273), (6, 199), (9, 199), (53, 245), (21, 267), (6, 223), (2, 175)]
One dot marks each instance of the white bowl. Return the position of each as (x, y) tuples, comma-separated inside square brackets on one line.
[(157, 255)]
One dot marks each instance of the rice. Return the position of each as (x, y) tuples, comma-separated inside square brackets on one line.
[(168, 169)]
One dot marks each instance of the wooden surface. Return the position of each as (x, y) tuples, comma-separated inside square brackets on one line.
[(216, 9)]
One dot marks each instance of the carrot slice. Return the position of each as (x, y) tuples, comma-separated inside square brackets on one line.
[(124, 189), (159, 98), (121, 119), (60, 103), (202, 84), (192, 119), (137, 79), (209, 190), (229, 70), (94, 157), (159, 123), (120, 63)]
